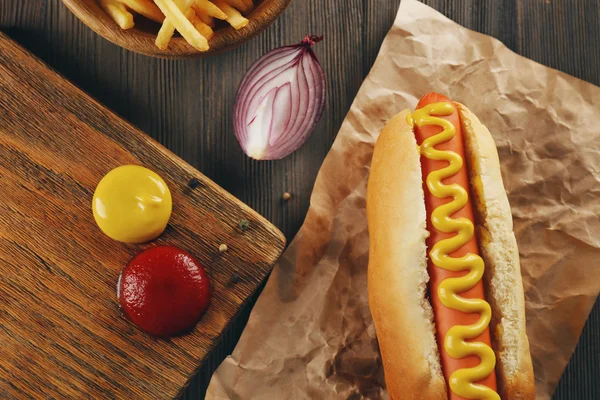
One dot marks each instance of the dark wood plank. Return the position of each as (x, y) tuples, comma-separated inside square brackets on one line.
[(187, 105), (59, 319)]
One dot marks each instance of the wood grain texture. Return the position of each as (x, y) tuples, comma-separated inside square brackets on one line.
[(141, 37), (187, 105), (60, 322)]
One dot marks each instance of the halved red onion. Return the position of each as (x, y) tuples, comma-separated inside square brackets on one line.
[(279, 101)]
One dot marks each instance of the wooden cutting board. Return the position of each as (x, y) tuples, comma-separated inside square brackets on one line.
[(61, 332)]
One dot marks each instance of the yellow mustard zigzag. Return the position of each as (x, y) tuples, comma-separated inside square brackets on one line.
[(462, 381)]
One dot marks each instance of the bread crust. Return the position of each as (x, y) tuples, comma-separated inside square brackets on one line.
[(397, 276), (494, 229)]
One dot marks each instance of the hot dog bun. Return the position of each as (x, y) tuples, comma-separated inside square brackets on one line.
[(398, 274)]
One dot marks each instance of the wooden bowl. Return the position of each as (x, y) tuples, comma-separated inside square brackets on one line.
[(141, 37)]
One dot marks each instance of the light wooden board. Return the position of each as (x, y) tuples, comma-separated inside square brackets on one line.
[(61, 332)]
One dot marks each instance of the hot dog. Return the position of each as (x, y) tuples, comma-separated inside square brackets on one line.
[(445, 287)]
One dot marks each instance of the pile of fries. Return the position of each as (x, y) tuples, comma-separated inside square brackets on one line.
[(193, 19)]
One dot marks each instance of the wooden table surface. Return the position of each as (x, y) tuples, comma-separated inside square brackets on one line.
[(186, 105)]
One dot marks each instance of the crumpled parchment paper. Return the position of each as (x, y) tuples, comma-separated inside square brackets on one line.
[(310, 335)]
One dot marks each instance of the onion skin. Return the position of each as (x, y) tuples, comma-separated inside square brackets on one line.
[(279, 101)]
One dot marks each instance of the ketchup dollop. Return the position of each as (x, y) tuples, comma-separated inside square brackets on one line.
[(164, 291)]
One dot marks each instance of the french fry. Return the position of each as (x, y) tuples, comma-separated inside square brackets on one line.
[(146, 8), (194, 19), (207, 19), (190, 15), (118, 13), (208, 8), (165, 33), (201, 27), (234, 17), (177, 18), (168, 29), (239, 5)]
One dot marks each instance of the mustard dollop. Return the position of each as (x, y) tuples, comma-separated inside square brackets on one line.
[(132, 204)]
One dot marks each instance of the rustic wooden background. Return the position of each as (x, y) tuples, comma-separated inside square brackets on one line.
[(186, 105)]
